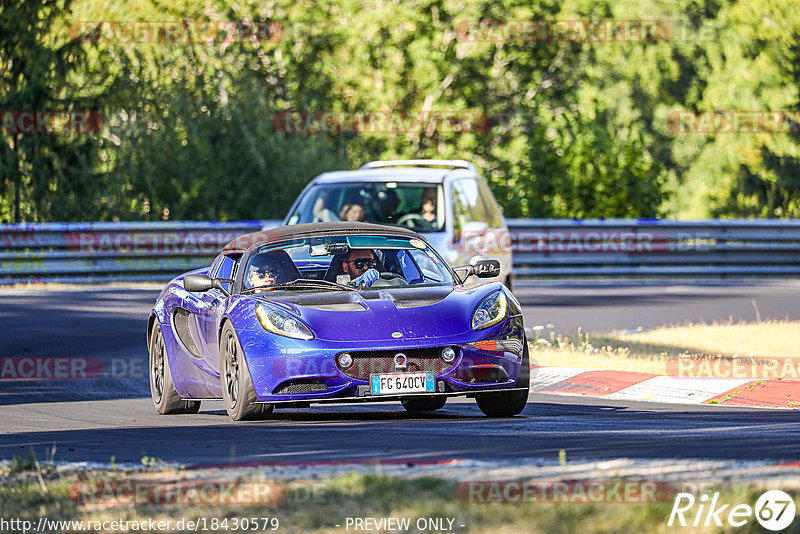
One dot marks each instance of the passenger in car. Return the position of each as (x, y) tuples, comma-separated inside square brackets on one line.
[(270, 268), (352, 213), (321, 212)]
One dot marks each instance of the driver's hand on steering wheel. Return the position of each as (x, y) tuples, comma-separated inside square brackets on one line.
[(368, 278)]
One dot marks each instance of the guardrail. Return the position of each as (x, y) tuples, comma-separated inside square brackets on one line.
[(651, 247), (543, 248), (90, 252)]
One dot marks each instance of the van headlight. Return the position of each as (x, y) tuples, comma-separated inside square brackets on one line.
[(491, 310), (281, 323)]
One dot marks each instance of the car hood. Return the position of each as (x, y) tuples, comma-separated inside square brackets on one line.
[(384, 314)]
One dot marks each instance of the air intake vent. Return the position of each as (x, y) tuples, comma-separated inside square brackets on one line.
[(483, 374), (180, 318), (299, 386), (416, 303), (367, 363), (340, 307)]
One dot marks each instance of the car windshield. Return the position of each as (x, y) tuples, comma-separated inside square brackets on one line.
[(410, 205), (336, 263)]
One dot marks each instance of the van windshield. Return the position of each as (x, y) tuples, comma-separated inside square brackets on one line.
[(410, 205)]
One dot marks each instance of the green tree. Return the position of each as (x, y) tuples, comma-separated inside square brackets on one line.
[(43, 176)]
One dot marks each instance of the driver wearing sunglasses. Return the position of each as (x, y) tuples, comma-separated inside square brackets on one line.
[(360, 265), (260, 276)]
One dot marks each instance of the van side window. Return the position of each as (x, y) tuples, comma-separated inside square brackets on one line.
[(467, 205), (494, 217)]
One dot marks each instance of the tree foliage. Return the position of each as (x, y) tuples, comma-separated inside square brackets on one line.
[(576, 128)]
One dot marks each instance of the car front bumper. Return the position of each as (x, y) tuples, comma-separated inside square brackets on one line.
[(487, 361)]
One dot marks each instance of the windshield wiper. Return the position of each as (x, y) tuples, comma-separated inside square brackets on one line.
[(303, 283), (325, 283)]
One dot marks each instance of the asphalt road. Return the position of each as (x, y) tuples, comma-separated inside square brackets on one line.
[(129, 430), (95, 420)]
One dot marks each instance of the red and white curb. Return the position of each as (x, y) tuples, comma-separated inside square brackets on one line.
[(627, 385)]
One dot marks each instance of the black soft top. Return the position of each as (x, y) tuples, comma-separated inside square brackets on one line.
[(322, 229)]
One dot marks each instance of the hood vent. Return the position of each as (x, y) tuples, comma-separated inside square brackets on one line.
[(418, 303), (338, 306)]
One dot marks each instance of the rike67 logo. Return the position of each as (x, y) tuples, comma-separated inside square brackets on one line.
[(774, 510)]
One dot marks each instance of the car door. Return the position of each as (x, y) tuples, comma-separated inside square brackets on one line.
[(497, 241), (479, 231), (210, 307), (469, 221)]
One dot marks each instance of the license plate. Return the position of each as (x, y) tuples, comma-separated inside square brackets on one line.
[(403, 383)]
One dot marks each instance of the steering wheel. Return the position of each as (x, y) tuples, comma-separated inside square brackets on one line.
[(389, 279), (413, 220)]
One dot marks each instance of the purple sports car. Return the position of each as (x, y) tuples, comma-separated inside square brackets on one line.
[(336, 312)]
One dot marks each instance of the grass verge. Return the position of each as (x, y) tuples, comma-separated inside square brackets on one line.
[(657, 351), (319, 506)]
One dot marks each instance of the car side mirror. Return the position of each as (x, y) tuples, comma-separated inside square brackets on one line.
[(487, 268), (481, 269), (197, 283)]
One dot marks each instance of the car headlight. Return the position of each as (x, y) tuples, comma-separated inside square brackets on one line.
[(491, 310), (281, 323)]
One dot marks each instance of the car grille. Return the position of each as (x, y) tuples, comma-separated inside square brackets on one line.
[(299, 386), (366, 363)]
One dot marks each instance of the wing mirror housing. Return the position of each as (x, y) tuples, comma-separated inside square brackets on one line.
[(481, 269), (197, 283)]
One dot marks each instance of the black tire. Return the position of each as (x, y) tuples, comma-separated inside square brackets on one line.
[(165, 398), (240, 398), (430, 404), (510, 403)]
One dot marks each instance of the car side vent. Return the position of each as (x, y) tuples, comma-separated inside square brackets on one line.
[(299, 386), (180, 318)]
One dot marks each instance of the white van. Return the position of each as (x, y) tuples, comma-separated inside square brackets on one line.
[(445, 200)]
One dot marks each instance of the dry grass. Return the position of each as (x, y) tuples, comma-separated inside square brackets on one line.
[(651, 351), (592, 353), (771, 339), (23, 496)]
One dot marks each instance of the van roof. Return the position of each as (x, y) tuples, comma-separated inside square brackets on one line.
[(391, 174)]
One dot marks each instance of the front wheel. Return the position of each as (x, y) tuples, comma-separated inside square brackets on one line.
[(424, 404), (240, 398), (166, 399), (510, 403)]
